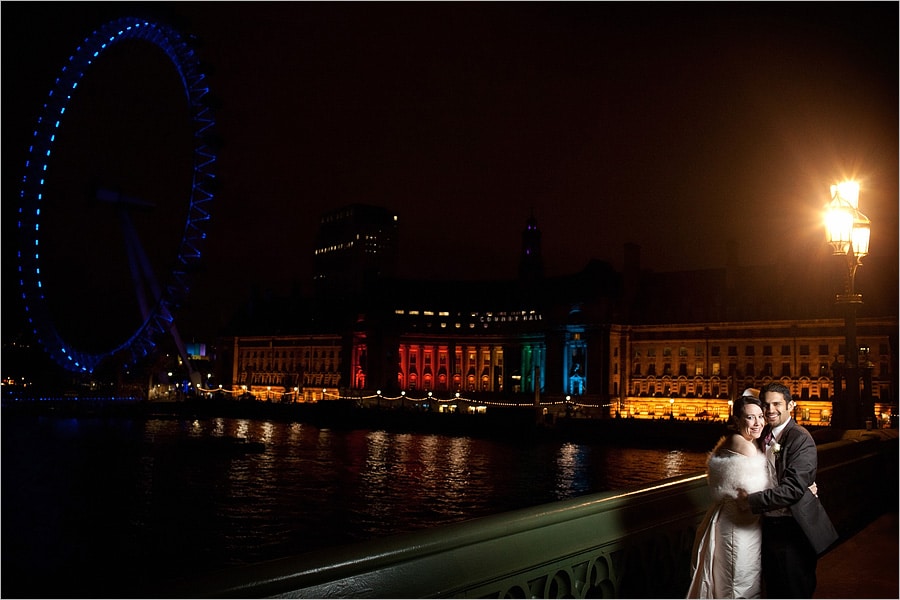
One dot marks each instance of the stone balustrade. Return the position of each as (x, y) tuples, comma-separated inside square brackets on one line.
[(630, 543)]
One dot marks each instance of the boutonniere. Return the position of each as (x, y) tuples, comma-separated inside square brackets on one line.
[(776, 448)]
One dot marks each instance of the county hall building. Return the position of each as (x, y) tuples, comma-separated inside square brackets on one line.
[(596, 343)]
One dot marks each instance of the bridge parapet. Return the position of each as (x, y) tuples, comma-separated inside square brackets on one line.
[(630, 543)]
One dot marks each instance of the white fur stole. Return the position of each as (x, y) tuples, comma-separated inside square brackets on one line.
[(731, 471)]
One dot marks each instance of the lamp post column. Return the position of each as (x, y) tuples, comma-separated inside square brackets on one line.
[(852, 415), (847, 231)]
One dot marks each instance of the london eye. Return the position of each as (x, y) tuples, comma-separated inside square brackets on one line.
[(51, 223)]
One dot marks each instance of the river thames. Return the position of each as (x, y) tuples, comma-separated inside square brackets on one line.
[(104, 507)]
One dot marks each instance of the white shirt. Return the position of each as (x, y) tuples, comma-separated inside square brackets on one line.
[(776, 433)]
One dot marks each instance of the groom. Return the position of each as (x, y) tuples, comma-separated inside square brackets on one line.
[(796, 529)]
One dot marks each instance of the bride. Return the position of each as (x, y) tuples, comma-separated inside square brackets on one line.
[(725, 562)]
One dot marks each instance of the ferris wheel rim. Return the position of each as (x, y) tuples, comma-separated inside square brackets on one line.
[(159, 320)]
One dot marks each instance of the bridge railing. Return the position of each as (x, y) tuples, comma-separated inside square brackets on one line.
[(630, 543)]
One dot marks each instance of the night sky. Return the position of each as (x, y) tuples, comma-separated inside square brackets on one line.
[(675, 126)]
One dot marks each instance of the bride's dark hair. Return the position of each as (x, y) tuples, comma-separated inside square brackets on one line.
[(734, 423)]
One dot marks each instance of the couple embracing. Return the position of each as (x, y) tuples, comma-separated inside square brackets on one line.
[(766, 528)]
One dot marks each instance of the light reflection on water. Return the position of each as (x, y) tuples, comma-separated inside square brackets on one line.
[(156, 499)]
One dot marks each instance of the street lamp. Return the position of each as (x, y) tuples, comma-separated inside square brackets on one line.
[(847, 230)]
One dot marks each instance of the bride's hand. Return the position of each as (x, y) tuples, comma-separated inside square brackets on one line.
[(814, 489)]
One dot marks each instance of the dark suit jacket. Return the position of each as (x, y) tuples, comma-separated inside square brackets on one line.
[(795, 467)]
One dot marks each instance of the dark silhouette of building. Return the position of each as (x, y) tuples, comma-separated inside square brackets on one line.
[(355, 246)]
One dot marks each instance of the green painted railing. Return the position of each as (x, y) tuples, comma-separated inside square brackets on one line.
[(632, 543)]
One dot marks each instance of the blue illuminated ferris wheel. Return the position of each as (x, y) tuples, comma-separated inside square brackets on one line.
[(158, 296)]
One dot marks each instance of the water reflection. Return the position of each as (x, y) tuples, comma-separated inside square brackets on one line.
[(570, 472), (155, 500)]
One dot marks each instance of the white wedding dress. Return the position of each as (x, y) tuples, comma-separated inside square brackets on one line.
[(725, 562)]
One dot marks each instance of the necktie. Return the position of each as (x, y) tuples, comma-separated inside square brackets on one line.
[(770, 456)]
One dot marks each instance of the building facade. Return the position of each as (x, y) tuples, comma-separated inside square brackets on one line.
[(697, 370), (632, 344), (292, 368), (355, 246)]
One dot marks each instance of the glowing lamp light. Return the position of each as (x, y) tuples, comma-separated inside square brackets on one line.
[(847, 230), (859, 238), (839, 226), (847, 190)]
